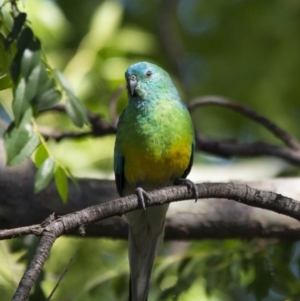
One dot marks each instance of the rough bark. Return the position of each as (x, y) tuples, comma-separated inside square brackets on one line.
[(53, 228)]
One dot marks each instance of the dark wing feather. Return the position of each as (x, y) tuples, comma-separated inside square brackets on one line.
[(119, 162), (119, 174)]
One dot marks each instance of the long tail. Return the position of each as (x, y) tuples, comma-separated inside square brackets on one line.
[(146, 232)]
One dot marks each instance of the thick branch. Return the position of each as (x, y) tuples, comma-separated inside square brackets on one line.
[(35, 267), (238, 192)]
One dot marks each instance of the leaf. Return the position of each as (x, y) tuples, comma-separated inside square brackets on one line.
[(17, 26), (63, 81), (76, 111), (32, 82), (46, 85), (61, 182), (25, 150), (48, 99), (40, 155), (20, 141), (5, 61), (5, 82), (26, 40), (44, 175), (23, 42), (20, 105), (29, 60), (74, 108), (74, 180)]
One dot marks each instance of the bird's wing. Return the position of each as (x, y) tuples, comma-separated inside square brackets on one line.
[(119, 162), (119, 172)]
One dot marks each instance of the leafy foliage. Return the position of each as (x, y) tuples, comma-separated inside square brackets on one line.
[(231, 270), (21, 140), (35, 89)]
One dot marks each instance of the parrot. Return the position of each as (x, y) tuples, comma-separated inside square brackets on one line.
[(154, 148)]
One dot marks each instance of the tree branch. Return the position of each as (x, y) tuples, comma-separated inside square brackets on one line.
[(291, 153), (100, 127), (227, 103), (20, 207), (228, 149), (238, 192)]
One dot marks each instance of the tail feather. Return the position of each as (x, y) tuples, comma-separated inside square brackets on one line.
[(130, 294), (146, 231), (141, 264)]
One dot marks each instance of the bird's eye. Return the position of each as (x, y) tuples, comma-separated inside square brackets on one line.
[(148, 73)]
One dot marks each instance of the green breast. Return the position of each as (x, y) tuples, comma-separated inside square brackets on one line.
[(156, 141)]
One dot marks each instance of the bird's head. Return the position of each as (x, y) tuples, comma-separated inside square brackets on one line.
[(146, 81)]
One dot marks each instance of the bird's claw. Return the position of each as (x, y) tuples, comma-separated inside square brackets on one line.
[(142, 195), (191, 186)]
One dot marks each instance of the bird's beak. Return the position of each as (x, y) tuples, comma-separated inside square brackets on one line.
[(132, 83)]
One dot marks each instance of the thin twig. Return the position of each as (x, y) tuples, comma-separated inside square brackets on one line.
[(227, 103), (100, 127), (58, 136), (62, 275), (228, 149), (21, 231)]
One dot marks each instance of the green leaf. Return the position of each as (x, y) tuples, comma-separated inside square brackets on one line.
[(48, 99), (61, 182), (17, 26), (20, 105), (20, 141), (24, 41), (32, 83), (63, 81), (40, 155), (30, 59), (74, 180), (5, 60), (5, 82), (75, 110), (27, 40), (44, 175), (46, 85)]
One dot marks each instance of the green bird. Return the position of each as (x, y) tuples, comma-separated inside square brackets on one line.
[(154, 148)]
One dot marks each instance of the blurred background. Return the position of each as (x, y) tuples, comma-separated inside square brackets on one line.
[(245, 50)]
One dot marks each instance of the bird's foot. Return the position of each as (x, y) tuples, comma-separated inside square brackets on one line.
[(142, 196), (191, 186)]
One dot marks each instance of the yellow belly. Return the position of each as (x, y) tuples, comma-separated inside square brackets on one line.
[(159, 169)]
